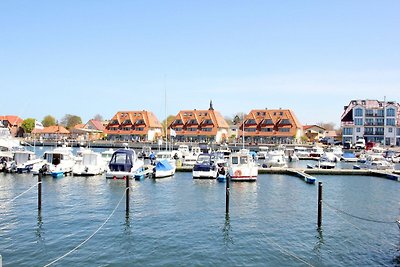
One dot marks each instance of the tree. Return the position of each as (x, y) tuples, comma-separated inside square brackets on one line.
[(28, 125), (49, 121), (238, 117), (69, 121), (328, 126), (98, 117), (170, 119)]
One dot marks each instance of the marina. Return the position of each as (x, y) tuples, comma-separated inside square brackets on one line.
[(271, 222)]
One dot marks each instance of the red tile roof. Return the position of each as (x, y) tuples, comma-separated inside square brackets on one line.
[(12, 119), (51, 130)]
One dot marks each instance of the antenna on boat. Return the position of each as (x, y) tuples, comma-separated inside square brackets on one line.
[(165, 111)]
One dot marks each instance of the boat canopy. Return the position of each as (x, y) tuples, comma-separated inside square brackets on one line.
[(163, 165), (122, 160)]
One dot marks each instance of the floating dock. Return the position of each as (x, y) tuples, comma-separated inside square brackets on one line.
[(306, 174)]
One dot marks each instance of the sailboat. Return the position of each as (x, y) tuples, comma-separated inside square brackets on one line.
[(163, 167), (241, 165)]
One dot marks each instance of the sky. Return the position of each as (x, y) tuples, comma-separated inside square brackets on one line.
[(88, 57)]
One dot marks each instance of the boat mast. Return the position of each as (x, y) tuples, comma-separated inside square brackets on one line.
[(243, 130), (165, 111)]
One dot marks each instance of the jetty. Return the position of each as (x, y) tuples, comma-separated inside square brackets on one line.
[(307, 174)]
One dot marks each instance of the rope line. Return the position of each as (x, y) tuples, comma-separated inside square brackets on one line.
[(355, 216), (15, 198), (366, 232), (280, 248), (90, 237)]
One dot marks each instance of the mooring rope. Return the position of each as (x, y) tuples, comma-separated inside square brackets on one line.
[(15, 198), (280, 248), (355, 216), (92, 235), (366, 232)]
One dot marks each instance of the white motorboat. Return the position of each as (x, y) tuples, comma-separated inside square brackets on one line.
[(316, 152), (92, 163), (205, 167), (26, 160), (123, 164), (58, 162), (190, 159), (375, 162), (349, 157), (329, 157), (170, 156), (163, 169), (275, 158), (7, 163), (301, 152), (241, 166)]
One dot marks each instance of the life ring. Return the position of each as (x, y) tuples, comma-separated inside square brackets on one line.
[(238, 173)]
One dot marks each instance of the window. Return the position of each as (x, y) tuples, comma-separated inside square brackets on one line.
[(369, 112), (192, 129), (207, 129), (193, 122), (358, 121), (380, 113), (250, 129), (284, 130), (251, 121), (139, 121), (390, 112), (347, 131), (398, 131), (379, 121), (358, 112), (369, 130), (285, 121), (390, 130), (178, 122), (391, 122), (358, 129), (266, 129), (140, 129), (379, 131), (369, 121), (207, 121), (267, 121)]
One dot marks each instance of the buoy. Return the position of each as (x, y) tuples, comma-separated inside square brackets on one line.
[(238, 173)]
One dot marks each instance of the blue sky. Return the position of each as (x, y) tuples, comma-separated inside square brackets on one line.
[(88, 57)]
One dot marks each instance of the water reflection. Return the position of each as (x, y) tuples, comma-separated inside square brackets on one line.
[(226, 231)]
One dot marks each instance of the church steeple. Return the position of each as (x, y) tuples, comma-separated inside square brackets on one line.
[(211, 105)]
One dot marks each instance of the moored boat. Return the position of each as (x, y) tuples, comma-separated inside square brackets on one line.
[(205, 167), (241, 166), (163, 169), (123, 164)]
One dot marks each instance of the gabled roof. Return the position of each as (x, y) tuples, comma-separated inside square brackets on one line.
[(12, 119), (97, 124), (306, 127), (58, 129)]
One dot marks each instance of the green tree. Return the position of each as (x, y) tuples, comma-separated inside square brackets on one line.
[(169, 120), (49, 121), (28, 125), (69, 121)]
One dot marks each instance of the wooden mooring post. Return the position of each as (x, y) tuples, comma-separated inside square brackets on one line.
[(40, 190), (127, 194), (227, 194), (319, 220)]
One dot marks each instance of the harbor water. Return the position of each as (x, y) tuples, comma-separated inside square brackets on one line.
[(179, 221)]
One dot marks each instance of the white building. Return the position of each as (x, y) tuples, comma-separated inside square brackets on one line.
[(372, 120)]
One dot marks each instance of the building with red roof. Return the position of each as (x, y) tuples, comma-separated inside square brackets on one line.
[(133, 126), (270, 126), (12, 122), (199, 126)]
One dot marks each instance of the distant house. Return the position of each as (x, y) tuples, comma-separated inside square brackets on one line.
[(133, 126), (13, 123), (199, 126), (314, 132), (92, 130), (270, 126), (372, 120), (51, 133)]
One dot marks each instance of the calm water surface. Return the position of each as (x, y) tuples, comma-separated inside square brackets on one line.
[(179, 221)]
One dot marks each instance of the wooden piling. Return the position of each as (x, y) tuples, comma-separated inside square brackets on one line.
[(319, 220), (127, 194), (40, 190), (227, 194)]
